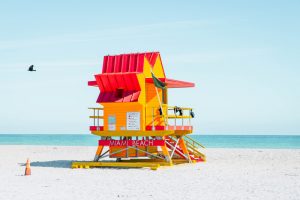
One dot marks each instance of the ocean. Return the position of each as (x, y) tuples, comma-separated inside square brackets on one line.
[(209, 141)]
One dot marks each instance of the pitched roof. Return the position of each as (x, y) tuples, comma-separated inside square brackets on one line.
[(127, 62)]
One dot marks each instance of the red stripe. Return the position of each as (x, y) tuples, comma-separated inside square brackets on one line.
[(153, 58), (131, 142), (99, 82), (104, 66), (134, 81), (135, 96), (92, 83), (128, 62), (128, 81), (120, 80), (125, 62), (127, 96), (140, 63), (96, 128), (106, 84), (113, 82), (110, 64), (117, 66), (158, 128), (132, 63)]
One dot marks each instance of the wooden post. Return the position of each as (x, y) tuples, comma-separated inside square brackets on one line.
[(184, 148), (98, 153), (166, 154)]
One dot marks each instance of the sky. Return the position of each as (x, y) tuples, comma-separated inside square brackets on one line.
[(243, 57)]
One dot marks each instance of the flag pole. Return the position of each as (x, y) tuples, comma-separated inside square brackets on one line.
[(158, 97)]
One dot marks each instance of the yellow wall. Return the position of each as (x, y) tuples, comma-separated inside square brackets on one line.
[(142, 97), (157, 68)]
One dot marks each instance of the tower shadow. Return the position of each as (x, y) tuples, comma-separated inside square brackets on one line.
[(52, 163)]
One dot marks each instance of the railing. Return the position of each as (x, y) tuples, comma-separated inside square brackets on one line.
[(192, 142), (182, 119), (179, 114), (192, 146), (97, 116)]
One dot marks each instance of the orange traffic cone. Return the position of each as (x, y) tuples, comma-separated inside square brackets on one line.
[(27, 169)]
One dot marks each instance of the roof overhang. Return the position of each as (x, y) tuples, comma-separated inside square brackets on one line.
[(92, 83), (172, 83)]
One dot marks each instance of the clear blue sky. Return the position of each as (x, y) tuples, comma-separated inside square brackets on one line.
[(242, 55)]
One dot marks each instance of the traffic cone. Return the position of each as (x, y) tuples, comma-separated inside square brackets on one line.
[(27, 169)]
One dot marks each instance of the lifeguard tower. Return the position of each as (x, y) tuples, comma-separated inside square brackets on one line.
[(136, 126)]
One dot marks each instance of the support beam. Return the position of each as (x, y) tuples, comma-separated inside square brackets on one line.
[(166, 154), (174, 148), (184, 148), (98, 153)]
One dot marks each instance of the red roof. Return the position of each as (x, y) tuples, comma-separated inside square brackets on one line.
[(120, 72), (171, 83), (118, 81), (128, 96), (109, 83), (127, 62)]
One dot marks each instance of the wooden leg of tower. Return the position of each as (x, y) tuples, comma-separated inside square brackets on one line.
[(184, 148), (98, 153), (166, 154)]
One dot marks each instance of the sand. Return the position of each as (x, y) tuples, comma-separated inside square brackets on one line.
[(227, 174)]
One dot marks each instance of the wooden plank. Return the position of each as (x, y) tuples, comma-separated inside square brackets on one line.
[(95, 117), (95, 108), (87, 164), (179, 117)]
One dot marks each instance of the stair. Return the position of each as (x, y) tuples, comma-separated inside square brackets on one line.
[(192, 146), (171, 143)]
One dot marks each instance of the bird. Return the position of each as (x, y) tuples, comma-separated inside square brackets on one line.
[(31, 68)]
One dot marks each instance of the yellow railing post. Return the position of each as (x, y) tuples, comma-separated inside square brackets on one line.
[(94, 118), (98, 120), (153, 128)]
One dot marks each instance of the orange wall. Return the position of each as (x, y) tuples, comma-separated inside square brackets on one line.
[(120, 110), (152, 102)]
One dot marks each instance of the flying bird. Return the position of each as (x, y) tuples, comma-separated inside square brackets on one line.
[(31, 68)]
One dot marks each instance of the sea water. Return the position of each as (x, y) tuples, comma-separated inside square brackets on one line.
[(209, 141)]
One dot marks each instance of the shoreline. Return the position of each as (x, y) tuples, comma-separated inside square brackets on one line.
[(217, 141)]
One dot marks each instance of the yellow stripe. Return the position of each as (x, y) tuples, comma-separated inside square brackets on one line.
[(153, 166), (179, 117)]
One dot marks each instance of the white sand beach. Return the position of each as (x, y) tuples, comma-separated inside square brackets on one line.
[(227, 174)]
